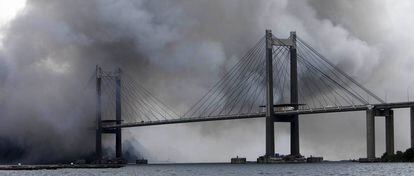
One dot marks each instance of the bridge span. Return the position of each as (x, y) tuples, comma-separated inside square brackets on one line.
[(286, 74), (379, 107)]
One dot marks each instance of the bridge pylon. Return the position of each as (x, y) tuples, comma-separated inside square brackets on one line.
[(118, 114), (294, 99), (294, 91), (118, 117), (270, 132), (98, 138)]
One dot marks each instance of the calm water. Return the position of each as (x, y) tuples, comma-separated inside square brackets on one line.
[(343, 169)]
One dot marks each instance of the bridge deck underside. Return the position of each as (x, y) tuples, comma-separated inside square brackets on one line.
[(262, 114)]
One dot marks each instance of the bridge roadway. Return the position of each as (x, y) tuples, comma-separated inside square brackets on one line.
[(263, 114)]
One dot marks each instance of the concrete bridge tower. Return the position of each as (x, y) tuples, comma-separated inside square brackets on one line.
[(270, 116), (118, 115)]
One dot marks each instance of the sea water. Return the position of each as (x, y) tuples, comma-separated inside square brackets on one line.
[(310, 169)]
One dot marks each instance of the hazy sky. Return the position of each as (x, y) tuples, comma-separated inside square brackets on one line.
[(179, 49)]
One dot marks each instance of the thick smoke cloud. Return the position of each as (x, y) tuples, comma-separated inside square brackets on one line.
[(178, 49)]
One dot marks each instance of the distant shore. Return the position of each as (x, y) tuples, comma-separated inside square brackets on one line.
[(59, 166), (103, 166), (399, 156)]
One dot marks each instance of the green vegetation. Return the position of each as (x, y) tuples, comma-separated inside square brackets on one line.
[(407, 156)]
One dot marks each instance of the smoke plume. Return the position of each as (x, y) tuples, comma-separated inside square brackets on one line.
[(178, 49)]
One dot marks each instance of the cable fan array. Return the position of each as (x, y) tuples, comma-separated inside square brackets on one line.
[(138, 104), (242, 90), (322, 84)]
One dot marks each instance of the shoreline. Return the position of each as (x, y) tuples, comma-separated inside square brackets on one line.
[(59, 166), (106, 166)]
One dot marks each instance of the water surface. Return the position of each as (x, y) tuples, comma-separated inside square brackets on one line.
[(333, 169)]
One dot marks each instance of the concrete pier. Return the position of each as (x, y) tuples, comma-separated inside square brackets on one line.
[(270, 137), (294, 136), (370, 122), (389, 132), (412, 125)]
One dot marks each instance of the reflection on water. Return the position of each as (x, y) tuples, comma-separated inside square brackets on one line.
[(342, 169)]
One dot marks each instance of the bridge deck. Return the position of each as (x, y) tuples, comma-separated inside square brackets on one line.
[(262, 114)]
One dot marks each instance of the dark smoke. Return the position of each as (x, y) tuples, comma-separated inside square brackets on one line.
[(177, 49), (10, 152)]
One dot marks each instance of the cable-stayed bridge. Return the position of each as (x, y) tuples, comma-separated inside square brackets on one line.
[(287, 75)]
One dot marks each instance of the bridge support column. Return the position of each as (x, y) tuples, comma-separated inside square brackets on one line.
[(270, 132), (118, 133), (294, 136), (412, 126), (98, 138), (370, 115), (294, 99), (389, 132), (270, 137)]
